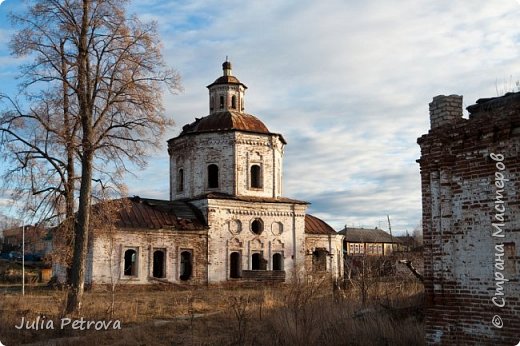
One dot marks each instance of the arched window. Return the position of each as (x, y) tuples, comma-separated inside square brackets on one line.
[(158, 264), (277, 261), (212, 103), (258, 262), (234, 102), (257, 226), (256, 177), (186, 265), (319, 260), (234, 265), (221, 102), (212, 176), (130, 262), (180, 180)]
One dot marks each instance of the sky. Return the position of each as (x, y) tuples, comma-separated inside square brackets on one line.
[(347, 83)]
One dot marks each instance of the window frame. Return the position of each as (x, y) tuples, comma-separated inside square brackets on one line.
[(180, 180), (255, 221), (259, 178), (135, 270), (192, 269), (210, 175), (164, 274)]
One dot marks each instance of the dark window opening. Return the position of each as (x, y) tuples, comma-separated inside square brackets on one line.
[(234, 265), (186, 265), (158, 264), (234, 102), (180, 180), (221, 102), (212, 176), (319, 260), (277, 261), (257, 226), (130, 263), (256, 177), (212, 103), (258, 262)]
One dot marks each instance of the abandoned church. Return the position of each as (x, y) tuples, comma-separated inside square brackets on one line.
[(226, 219)]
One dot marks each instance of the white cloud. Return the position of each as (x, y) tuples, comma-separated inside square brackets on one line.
[(346, 82)]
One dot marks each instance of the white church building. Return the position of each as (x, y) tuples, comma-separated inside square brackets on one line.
[(226, 219)]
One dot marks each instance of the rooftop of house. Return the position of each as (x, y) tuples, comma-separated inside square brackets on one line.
[(367, 235)]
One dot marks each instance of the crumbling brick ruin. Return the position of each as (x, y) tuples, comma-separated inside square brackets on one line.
[(470, 175)]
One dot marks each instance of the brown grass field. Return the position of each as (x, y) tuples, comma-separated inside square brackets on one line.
[(300, 313)]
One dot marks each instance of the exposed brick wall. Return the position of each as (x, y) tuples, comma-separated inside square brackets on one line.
[(332, 244), (107, 255), (230, 231), (459, 195), (234, 153)]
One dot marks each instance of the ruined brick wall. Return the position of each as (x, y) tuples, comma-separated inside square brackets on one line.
[(234, 153), (333, 244), (470, 176), (230, 231), (263, 150), (193, 154), (106, 255)]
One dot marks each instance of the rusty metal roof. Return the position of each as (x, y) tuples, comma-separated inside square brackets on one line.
[(146, 213), (226, 80), (313, 225), (226, 120), (367, 235)]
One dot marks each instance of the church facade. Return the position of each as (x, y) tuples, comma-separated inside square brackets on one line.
[(226, 219)]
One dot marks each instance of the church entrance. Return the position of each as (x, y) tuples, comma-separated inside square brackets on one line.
[(234, 265), (277, 261), (258, 262)]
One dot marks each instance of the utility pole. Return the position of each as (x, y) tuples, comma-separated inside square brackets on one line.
[(23, 258), (390, 230)]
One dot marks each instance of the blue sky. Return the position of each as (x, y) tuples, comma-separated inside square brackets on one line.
[(346, 82)]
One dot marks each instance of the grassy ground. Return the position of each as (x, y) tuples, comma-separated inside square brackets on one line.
[(293, 314)]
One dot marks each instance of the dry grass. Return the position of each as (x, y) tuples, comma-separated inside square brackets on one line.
[(299, 313)]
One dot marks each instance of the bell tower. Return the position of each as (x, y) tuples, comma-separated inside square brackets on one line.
[(228, 151), (226, 93)]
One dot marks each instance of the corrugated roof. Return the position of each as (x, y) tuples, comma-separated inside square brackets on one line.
[(367, 235), (226, 121), (139, 212), (226, 80), (313, 225)]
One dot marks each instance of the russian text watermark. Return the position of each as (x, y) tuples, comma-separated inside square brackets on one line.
[(498, 226)]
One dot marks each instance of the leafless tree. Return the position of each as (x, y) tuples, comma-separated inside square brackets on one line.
[(418, 235), (108, 71), (366, 272)]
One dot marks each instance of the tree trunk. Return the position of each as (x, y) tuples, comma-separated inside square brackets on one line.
[(81, 237), (81, 228)]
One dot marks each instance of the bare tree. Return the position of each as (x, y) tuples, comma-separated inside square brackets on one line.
[(366, 272), (418, 235), (110, 72)]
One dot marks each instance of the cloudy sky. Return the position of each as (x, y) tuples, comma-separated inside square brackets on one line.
[(346, 82)]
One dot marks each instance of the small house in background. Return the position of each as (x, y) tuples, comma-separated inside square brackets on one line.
[(37, 240), (368, 241)]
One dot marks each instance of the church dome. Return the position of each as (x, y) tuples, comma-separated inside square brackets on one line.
[(225, 121)]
